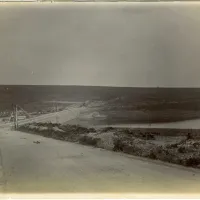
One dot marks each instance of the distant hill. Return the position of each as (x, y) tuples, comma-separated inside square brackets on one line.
[(144, 98), (140, 104)]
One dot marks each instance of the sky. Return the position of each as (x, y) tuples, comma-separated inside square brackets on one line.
[(99, 44)]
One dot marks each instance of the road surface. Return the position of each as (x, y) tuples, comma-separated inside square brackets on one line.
[(56, 166), (72, 112), (68, 114)]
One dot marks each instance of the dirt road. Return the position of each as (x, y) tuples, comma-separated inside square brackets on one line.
[(56, 166), (70, 113)]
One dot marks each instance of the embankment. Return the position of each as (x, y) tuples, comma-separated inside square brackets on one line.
[(182, 149)]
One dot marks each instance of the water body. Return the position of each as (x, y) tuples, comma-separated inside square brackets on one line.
[(187, 124)]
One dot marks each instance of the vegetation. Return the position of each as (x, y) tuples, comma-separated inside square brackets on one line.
[(183, 151)]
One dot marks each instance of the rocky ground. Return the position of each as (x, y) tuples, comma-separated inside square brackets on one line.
[(183, 149)]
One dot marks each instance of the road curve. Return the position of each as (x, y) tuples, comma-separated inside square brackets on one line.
[(54, 166), (70, 113)]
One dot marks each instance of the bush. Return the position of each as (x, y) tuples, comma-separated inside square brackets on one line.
[(192, 161), (128, 131), (132, 149), (196, 145), (92, 130), (118, 145), (152, 155), (89, 140), (76, 129), (107, 129), (149, 136), (181, 149), (169, 146), (189, 136)]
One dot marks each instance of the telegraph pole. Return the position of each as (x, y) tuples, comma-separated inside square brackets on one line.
[(15, 117)]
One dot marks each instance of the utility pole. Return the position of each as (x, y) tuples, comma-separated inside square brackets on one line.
[(15, 117)]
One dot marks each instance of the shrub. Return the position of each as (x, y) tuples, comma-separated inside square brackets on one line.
[(196, 145), (152, 155), (181, 149), (89, 140), (92, 130), (107, 129), (149, 136), (192, 161), (118, 145), (169, 146)]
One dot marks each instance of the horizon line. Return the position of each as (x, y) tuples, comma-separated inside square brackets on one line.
[(164, 87)]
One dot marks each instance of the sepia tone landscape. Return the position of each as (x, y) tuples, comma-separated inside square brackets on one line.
[(137, 121), (104, 99), (116, 119)]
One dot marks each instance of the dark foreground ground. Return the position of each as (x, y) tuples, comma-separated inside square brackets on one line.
[(173, 146), (118, 104)]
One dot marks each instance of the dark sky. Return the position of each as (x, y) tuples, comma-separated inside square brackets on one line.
[(100, 44)]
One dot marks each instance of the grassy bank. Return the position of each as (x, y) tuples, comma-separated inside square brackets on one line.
[(182, 149)]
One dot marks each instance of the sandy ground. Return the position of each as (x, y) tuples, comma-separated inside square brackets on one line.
[(56, 166), (72, 112)]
